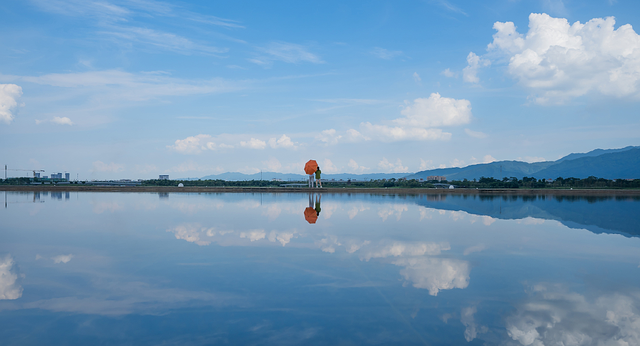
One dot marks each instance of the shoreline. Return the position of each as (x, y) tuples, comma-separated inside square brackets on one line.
[(333, 190)]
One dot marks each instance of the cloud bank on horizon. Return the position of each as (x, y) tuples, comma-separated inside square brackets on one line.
[(160, 87)]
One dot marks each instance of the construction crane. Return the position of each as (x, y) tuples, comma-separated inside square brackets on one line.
[(25, 170)]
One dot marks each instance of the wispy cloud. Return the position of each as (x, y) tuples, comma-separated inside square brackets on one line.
[(450, 7), (286, 52), (385, 53)]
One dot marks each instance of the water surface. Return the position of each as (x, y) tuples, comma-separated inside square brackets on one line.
[(149, 269)]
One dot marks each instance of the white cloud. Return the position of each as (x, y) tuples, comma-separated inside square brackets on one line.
[(395, 209), (328, 167), (531, 159), (9, 95), (558, 61), (356, 136), (254, 143), (272, 164), (62, 121), (475, 248), (56, 120), (385, 54), (475, 134), (397, 249), (125, 86), (283, 237), (355, 167), (99, 166), (425, 164), (282, 142), (471, 328), (416, 77), (448, 73), (62, 258), (474, 62), (436, 111), (435, 274), (554, 316), (457, 163), (160, 39), (192, 233), (254, 234), (392, 167), (389, 134), (193, 144), (286, 52), (329, 136), (9, 287), (485, 159)]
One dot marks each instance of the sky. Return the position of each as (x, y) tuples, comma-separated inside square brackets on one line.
[(133, 89)]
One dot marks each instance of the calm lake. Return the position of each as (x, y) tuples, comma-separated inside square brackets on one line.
[(201, 269)]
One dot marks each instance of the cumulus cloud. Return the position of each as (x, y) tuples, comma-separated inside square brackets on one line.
[(554, 316), (328, 167), (282, 142), (472, 329), (474, 62), (559, 61), (419, 122), (62, 258), (397, 249), (193, 144), (254, 235), (283, 237), (436, 111), (99, 166), (9, 95), (272, 164), (448, 73), (355, 167), (392, 167), (425, 164), (329, 136), (393, 133), (434, 274), (254, 143), (9, 287)]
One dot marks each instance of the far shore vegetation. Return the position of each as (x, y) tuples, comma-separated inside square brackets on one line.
[(482, 183)]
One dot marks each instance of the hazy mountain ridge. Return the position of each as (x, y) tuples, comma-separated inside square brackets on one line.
[(609, 164)]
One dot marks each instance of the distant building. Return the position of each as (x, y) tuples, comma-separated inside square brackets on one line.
[(37, 175), (164, 177), (56, 176), (67, 176), (436, 177)]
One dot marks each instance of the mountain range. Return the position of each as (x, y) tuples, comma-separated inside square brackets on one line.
[(609, 164), (623, 163)]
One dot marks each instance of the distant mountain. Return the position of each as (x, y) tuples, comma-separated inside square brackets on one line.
[(596, 152), (609, 164), (498, 170), (614, 165), (235, 176)]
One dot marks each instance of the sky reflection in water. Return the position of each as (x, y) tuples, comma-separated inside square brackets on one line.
[(250, 268)]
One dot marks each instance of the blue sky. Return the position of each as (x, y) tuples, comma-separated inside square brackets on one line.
[(133, 89)]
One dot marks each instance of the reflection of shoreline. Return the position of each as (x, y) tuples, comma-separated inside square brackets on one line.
[(340, 190)]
